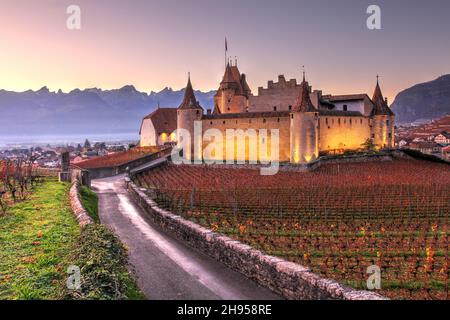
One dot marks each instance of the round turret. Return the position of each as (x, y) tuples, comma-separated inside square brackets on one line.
[(304, 137), (189, 114)]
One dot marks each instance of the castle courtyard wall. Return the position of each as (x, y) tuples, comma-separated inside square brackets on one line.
[(338, 132), (282, 123)]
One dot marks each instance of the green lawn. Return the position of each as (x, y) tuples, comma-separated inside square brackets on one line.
[(40, 238), (36, 237), (89, 200)]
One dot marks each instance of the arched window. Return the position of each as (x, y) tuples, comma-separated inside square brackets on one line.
[(275, 108)]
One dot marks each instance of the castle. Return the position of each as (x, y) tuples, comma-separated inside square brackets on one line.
[(308, 122)]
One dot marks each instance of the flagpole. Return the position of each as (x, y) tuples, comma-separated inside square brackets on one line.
[(226, 48)]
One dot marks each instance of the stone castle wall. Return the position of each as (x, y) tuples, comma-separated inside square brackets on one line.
[(228, 102), (281, 123), (383, 131), (346, 133), (282, 95)]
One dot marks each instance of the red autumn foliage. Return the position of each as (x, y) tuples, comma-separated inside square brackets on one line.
[(337, 220)]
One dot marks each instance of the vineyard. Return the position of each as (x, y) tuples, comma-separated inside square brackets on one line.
[(338, 220), (17, 178), (118, 158)]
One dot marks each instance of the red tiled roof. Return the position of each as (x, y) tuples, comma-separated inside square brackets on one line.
[(164, 120), (232, 80)]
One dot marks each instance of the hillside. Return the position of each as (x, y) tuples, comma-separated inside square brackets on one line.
[(427, 100), (86, 111)]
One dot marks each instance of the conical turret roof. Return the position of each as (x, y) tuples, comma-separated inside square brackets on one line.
[(189, 101), (380, 104), (304, 101), (228, 76)]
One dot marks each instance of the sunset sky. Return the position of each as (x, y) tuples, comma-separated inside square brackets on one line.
[(155, 43)]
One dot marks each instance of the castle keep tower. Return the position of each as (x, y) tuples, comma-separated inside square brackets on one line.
[(382, 121), (188, 112), (232, 95), (304, 128)]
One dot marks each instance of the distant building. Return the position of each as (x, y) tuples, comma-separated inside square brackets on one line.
[(442, 138), (426, 147), (446, 153), (402, 143)]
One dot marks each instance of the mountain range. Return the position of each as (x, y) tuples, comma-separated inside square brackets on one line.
[(424, 101), (89, 111), (97, 111)]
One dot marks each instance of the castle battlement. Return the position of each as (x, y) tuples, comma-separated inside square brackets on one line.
[(282, 84)]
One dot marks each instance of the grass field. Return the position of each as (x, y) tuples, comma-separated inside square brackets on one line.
[(36, 237), (40, 239), (337, 220)]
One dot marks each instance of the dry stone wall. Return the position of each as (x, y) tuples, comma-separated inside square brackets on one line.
[(77, 208), (288, 279)]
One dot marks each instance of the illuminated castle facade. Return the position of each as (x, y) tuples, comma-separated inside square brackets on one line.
[(308, 121)]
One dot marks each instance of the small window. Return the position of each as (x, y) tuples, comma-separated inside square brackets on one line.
[(224, 122), (360, 121), (345, 108), (350, 121), (264, 120), (387, 122), (274, 108), (290, 108), (390, 135), (339, 121), (373, 136), (228, 109), (210, 123), (278, 120), (292, 116), (326, 120), (198, 112)]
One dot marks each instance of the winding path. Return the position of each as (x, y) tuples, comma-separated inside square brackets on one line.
[(165, 267)]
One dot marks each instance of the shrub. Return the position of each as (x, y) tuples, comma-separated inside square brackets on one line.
[(102, 259)]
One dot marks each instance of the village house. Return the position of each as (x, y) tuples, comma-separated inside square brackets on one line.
[(443, 138)]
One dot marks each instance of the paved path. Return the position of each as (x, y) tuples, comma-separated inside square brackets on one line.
[(166, 268)]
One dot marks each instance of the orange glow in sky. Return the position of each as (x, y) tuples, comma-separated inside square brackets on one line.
[(154, 44)]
